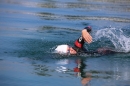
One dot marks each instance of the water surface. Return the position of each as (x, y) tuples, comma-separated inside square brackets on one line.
[(31, 29)]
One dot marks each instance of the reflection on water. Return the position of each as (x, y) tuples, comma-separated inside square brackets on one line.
[(80, 72), (114, 70)]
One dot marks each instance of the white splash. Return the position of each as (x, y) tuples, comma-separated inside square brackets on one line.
[(117, 37)]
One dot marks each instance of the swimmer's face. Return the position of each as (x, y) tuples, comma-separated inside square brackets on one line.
[(72, 51)]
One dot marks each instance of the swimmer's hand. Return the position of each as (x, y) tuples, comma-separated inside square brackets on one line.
[(87, 37)]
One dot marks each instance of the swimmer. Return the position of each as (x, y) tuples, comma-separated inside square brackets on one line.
[(78, 47), (78, 44)]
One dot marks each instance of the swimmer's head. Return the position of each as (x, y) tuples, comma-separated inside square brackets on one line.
[(72, 51), (65, 49)]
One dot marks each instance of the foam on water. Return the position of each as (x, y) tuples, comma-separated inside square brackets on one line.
[(120, 41)]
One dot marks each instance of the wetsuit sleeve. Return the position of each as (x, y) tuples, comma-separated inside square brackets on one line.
[(79, 42)]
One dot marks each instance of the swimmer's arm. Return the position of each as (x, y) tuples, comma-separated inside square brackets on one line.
[(87, 37)]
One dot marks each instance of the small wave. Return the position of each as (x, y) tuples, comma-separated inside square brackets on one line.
[(117, 37), (52, 16)]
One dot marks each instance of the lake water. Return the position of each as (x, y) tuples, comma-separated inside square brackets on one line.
[(31, 29)]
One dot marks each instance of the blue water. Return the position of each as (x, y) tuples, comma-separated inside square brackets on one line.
[(31, 29)]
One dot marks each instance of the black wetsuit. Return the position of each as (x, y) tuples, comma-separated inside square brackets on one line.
[(79, 45)]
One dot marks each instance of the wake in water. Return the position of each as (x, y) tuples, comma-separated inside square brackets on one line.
[(113, 37), (117, 37)]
